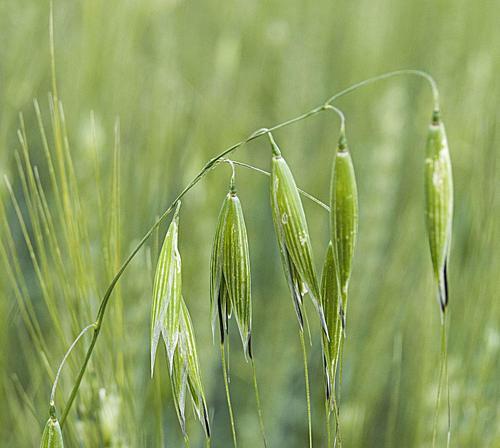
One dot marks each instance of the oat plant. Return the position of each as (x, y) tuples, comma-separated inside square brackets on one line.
[(230, 285)]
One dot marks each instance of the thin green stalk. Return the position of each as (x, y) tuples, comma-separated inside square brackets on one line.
[(328, 426), (257, 400), (208, 166), (340, 361), (404, 72), (447, 380), (228, 395), (443, 372), (268, 174), (68, 352), (338, 434), (308, 392)]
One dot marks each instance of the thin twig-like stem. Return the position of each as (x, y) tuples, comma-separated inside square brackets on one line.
[(340, 364), (404, 72), (443, 372), (340, 114), (228, 395), (308, 392), (257, 400), (447, 381), (328, 428), (70, 349), (302, 192), (208, 166)]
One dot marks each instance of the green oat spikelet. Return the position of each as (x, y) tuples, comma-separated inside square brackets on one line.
[(343, 218), (167, 294), (178, 381), (439, 203), (331, 306), (293, 237), (230, 283), (185, 376), (219, 306), (52, 434)]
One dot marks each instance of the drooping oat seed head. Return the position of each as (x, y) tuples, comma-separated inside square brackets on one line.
[(331, 306), (52, 434), (439, 204), (167, 297), (343, 217), (230, 289), (293, 236)]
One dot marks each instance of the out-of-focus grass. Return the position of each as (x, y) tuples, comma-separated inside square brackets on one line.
[(187, 80)]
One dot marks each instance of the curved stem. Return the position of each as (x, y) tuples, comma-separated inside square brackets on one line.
[(70, 349), (340, 114), (232, 183), (404, 72), (208, 166), (259, 408), (308, 392), (266, 173), (228, 395)]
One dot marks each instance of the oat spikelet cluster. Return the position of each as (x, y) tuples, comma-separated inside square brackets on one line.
[(230, 279), (170, 319)]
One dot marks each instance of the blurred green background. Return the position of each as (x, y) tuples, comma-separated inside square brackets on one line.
[(186, 80)]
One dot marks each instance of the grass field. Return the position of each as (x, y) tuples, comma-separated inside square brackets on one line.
[(153, 89)]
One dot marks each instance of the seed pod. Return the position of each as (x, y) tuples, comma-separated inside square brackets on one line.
[(52, 435), (230, 266), (293, 237), (330, 302), (439, 203), (167, 294), (343, 217)]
